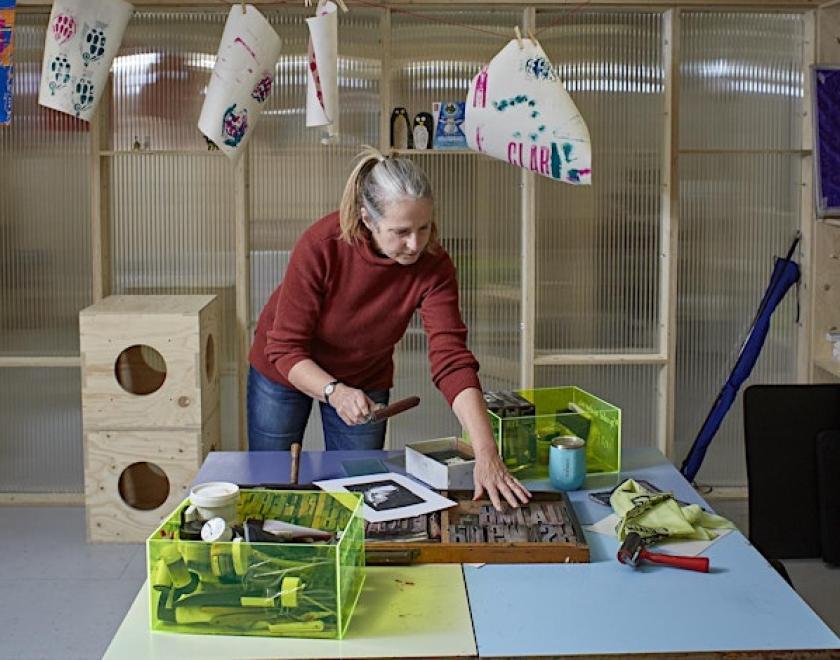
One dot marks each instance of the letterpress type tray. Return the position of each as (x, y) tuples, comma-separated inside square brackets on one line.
[(544, 531)]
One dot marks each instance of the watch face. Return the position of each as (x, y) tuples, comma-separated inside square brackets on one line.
[(329, 388)]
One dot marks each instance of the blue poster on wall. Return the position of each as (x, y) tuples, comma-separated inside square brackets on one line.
[(7, 24), (826, 95)]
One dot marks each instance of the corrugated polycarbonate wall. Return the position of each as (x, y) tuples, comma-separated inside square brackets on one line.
[(597, 246), (44, 213), (741, 89), (172, 209), (477, 206), (45, 278)]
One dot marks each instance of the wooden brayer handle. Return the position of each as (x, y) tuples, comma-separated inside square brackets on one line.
[(293, 473), (394, 409)]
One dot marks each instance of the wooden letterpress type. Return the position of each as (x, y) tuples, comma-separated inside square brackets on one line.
[(458, 534), (537, 513), (520, 517), (497, 534), (469, 519), (550, 533), (487, 515), (518, 534)]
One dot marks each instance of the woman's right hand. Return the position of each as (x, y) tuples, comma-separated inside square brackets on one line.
[(352, 405)]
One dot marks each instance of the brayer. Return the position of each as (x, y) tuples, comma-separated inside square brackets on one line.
[(633, 550), (395, 408)]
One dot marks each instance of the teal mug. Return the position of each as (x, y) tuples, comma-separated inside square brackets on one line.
[(567, 462)]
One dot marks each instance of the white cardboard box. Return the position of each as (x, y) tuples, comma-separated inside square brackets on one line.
[(457, 476)]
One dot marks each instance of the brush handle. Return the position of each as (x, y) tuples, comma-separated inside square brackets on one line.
[(700, 564)]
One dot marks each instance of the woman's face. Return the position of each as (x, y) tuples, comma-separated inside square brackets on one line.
[(403, 231)]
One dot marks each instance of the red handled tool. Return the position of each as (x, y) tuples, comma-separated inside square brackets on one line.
[(633, 550)]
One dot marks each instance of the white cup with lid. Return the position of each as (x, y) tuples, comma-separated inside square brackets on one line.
[(216, 499)]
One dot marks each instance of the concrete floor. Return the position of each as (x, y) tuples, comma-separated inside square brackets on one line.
[(63, 598)]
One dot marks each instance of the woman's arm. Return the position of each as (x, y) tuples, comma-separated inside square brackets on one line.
[(490, 475)]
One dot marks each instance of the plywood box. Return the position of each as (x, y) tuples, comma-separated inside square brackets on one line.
[(149, 362), (134, 479)]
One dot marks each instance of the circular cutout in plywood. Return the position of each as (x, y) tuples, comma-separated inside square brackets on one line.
[(140, 369), (143, 486), (210, 358)]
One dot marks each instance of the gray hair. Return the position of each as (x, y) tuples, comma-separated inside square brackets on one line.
[(375, 183)]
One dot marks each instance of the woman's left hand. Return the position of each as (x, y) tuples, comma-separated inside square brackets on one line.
[(491, 477)]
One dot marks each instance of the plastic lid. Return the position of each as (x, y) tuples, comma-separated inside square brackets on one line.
[(216, 529), (214, 493)]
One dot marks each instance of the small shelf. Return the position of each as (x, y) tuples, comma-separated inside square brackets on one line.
[(433, 152), (828, 365), (162, 152)]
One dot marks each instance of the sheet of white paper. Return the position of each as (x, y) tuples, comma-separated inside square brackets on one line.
[(322, 69), (83, 36), (688, 547), (519, 111), (389, 496), (241, 81)]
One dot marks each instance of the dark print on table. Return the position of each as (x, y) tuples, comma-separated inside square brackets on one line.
[(384, 495)]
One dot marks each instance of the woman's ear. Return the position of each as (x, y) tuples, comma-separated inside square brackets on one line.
[(366, 219)]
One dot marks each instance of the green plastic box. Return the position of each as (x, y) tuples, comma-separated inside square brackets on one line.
[(524, 441), (266, 589)]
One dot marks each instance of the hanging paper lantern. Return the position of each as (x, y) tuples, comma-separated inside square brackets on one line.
[(81, 42), (518, 111), (242, 79)]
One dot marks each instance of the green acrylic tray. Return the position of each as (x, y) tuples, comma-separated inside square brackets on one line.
[(524, 441), (263, 589)]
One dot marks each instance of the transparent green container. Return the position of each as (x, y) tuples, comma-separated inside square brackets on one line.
[(264, 589), (523, 441)]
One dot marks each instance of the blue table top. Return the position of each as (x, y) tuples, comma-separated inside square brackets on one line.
[(603, 606)]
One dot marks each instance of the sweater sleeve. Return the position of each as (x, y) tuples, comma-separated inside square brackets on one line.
[(297, 308), (454, 367)]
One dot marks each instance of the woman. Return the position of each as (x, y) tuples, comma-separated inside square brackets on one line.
[(328, 331)]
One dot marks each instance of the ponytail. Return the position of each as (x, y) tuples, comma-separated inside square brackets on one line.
[(376, 182)]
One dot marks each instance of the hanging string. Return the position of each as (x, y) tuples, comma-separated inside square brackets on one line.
[(564, 14)]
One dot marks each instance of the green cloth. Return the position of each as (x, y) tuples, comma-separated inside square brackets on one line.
[(658, 516)]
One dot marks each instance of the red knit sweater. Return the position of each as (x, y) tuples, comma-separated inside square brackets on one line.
[(345, 307)]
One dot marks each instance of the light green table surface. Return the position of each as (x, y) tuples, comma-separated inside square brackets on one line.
[(416, 611)]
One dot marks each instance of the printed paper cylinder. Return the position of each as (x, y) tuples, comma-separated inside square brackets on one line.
[(83, 36), (7, 24), (322, 69), (241, 81), (518, 111)]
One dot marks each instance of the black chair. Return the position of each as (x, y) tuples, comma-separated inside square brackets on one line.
[(790, 508)]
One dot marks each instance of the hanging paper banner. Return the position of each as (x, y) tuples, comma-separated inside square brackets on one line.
[(83, 37), (7, 25), (322, 69), (241, 81), (519, 111)]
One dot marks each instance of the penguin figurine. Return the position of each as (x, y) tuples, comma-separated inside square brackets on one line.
[(423, 131), (400, 129)]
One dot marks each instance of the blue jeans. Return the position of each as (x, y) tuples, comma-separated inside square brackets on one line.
[(277, 417)]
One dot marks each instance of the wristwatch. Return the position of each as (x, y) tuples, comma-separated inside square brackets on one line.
[(329, 388)]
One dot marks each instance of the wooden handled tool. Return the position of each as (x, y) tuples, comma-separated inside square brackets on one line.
[(633, 550), (293, 474), (394, 409)]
